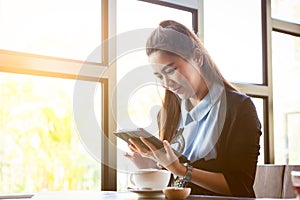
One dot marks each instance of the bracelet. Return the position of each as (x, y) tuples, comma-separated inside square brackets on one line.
[(188, 174)]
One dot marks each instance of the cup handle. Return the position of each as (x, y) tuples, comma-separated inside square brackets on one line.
[(131, 179)]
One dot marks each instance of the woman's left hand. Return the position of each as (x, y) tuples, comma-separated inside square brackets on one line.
[(165, 156), (139, 161)]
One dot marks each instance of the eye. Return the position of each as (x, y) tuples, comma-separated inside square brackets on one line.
[(170, 70), (160, 77)]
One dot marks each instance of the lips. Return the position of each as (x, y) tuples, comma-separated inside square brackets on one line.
[(175, 90)]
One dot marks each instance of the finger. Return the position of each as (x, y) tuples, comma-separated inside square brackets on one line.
[(148, 155), (138, 148), (172, 157), (148, 144), (133, 148), (168, 148), (144, 152), (127, 154)]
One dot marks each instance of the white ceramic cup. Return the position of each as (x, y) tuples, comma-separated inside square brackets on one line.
[(154, 179)]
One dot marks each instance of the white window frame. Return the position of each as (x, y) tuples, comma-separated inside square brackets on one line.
[(31, 64)]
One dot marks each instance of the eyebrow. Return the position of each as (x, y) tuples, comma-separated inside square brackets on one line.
[(165, 67)]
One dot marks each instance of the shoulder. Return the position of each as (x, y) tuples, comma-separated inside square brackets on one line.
[(239, 103), (240, 108), (235, 96)]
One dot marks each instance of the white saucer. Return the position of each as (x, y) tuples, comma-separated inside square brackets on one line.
[(147, 193)]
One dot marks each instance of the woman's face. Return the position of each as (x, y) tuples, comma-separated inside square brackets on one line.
[(177, 75)]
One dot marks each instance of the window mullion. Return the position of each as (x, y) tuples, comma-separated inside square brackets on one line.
[(267, 79)]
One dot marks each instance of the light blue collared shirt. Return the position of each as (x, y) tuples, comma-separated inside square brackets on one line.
[(202, 125)]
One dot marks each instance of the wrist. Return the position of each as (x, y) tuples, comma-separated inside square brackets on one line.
[(185, 178), (181, 169), (188, 174), (177, 169)]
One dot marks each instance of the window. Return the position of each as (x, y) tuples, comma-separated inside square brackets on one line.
[(286, 10), (235, 42), (134, 75), (285, 74), (238, 34), (45, 49), (36, 44), (259, 104), (39, 137), (51, 28), (235, 45), (286, 80), (256, 46)]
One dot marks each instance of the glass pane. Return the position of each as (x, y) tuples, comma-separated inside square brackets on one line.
[(135, 78), (286, 81), (286, 10), (292, 131), (40, 149), (132, 14), (259, 104), (127, 19), (66, 29), (232, 35)]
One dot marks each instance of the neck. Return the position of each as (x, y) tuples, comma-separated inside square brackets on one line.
[(193, 101)]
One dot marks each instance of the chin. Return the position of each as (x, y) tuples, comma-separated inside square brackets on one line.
[(183, 96)]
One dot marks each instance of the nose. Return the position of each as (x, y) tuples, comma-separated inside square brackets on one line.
[(167, 82)]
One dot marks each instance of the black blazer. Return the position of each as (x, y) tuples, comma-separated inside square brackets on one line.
[(237, 147)]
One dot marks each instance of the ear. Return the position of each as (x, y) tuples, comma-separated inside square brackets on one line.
[(198, 57)]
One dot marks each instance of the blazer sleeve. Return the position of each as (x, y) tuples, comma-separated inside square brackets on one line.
[(242, 149)]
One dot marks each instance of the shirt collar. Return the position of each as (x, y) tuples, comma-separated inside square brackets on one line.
[(204, 106)]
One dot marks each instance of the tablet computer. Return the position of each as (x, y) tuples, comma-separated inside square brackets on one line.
[(135, 134)]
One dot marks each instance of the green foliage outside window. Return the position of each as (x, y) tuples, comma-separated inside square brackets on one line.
[(39, 147)]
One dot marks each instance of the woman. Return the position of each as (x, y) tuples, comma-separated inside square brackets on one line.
[(220, 126)]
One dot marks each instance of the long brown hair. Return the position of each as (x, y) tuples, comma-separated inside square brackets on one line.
[(174, 38)]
